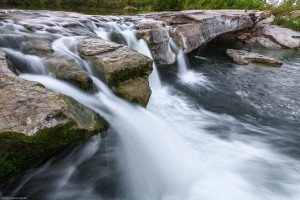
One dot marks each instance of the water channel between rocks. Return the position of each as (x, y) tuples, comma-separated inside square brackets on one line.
[(213, 130)]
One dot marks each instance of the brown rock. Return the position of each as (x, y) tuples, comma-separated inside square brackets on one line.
[(125, 70), (36, 122)]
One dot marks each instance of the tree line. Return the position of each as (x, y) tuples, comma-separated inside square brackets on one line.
[(155, 5)]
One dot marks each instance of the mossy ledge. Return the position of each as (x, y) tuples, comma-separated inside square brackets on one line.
[(20, 152)]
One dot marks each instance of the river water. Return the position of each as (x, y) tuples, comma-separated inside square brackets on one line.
[(213, 130)]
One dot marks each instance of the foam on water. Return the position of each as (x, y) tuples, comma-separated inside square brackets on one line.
[(175, 156)]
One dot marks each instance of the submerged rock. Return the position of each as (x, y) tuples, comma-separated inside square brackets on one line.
[(244, 57), (36, 122)]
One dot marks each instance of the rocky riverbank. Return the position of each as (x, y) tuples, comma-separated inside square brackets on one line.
[(35, 122)]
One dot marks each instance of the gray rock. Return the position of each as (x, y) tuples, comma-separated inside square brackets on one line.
[(265, 42), (36, 122), (120, 67), (157, 37), (244, 57), (190, 36), (68, 70), (283, 36), (191, 29)]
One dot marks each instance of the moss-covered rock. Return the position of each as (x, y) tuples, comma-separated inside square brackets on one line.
[(19, 152), (36, 122)]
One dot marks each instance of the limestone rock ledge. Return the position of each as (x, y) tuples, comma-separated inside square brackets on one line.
[(245, 57), (36, 122), (190, 29), (124, 70)]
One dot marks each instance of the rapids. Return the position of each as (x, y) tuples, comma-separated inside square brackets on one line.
[(212, 130)]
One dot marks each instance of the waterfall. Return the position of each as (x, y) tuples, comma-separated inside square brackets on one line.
[(185, 74), (132, 41), (29, 63), (180, 155), (155, 168), (182, 61), (67, 46)]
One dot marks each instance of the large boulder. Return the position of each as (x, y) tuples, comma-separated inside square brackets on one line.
[(283, 36), (36, 122), (244, 57), (120, 67), (191, 29), (190, 36), (68, 70), (157, 37)]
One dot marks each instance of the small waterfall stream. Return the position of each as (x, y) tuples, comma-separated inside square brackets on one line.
[(126, 30), (165, 152)]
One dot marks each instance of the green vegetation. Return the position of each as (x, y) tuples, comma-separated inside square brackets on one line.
[(19, 152), (145, 5), (288, 14)]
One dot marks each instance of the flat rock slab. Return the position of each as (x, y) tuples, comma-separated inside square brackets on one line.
[(265, 42), (27, 107), (117, 63), (245, 57), (283, 36), (123, 69)]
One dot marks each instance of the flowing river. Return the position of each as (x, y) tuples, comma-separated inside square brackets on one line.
[(213, 130)]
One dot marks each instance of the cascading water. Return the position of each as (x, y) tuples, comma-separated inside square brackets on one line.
[(188, 153), (184, 72), (183, 63), (129, 34)]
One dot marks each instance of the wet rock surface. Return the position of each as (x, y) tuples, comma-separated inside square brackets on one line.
[(120, 67), (245, 57), (36, 122), (191, 29), (157, 37)]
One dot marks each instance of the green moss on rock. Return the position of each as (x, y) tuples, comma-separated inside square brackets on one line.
[(20, 152)]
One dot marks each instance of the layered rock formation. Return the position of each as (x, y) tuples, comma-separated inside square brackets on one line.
[(245, 57), (190, 29), (265, 34), (124, 70), (35, 122)]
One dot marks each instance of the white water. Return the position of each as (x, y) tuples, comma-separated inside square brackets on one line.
[(185, 74), (173, 157), (156, 162), (67, 46), (129, 34), (32, 64), (177, 159)]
